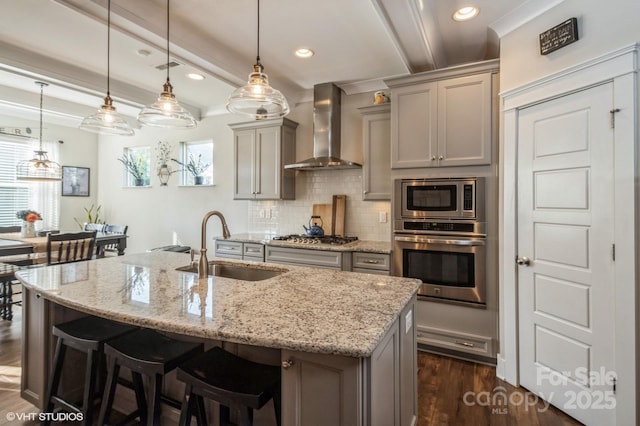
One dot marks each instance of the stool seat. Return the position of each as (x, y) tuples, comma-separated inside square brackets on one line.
[(231, 381), (88, 334), (144, 352)]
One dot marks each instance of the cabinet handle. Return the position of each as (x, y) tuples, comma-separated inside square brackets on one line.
[(433, 158), (467, 344), (252, 250), (287, 364), (38, 296), (372, 261), (440, 158)]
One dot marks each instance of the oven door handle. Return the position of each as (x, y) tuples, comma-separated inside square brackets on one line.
[(454, 242)]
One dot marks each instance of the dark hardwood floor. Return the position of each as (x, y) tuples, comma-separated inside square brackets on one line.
[(450, 391)]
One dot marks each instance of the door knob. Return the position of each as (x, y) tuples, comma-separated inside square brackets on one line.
[(523, 261)]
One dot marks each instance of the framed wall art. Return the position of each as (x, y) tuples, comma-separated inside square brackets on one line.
[(75, 181)]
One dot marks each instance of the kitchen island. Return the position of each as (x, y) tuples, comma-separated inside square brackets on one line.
[(345, 341)]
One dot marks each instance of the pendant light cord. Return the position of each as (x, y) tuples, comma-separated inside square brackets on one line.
[(41, 91), (108, 47), (258, 38), (168, 40)]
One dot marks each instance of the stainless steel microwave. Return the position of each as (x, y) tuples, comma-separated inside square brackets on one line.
[(446, 198)]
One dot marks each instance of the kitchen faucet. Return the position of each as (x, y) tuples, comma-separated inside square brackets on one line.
[(203, 264)]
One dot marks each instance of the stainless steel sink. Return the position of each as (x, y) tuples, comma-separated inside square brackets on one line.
[(236, 272)]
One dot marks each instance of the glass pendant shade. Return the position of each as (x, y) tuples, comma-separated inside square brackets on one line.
[(166, 112), (257, 98), (107, 121), (39, 168)]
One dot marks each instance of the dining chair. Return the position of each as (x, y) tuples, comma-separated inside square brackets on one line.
[(70, 247), (94, 227), (12, 260), (112, 249)]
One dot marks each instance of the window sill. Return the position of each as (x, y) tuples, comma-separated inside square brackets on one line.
[(196, 186)]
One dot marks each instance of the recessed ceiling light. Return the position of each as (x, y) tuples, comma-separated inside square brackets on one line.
[(466, 13), (195, 76), (304, 53)]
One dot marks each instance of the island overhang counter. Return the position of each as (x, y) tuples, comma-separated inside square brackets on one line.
[(351, 335)]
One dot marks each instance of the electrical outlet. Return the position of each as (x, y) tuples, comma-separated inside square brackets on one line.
[(382, 217)]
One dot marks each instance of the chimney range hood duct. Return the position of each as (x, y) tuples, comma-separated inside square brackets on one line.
[(326, 132)]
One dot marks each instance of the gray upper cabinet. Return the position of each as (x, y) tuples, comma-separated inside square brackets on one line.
[(261, 149), (376, 167), (443, 118)]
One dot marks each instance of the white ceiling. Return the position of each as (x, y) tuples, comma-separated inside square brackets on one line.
[(357, 43)]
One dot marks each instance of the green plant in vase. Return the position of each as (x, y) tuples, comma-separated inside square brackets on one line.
[(136, 165), (195, 166)]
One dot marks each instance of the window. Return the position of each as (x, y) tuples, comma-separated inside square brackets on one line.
[(137, 163), (196, 163), (43, 197)]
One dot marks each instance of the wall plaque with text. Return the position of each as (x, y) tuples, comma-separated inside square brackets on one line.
[(559, 36)]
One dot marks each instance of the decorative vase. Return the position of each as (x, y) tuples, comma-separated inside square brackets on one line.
[(28, 229), (198, 180), (139, 182), (164, 173)]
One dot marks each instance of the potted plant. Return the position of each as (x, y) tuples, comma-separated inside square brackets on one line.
[(195, 166), (136, 166)]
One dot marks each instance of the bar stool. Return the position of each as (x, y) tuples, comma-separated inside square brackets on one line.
[(152, 354), (231, 381), (87, 335)]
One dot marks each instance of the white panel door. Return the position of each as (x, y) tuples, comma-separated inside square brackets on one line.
[(565, 253)]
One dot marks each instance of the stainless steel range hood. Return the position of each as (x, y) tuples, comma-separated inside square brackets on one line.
[(326, 132)]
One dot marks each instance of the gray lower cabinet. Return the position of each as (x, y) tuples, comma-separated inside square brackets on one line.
[(381, 390), (371, 263), (308, 257), (240, 250)]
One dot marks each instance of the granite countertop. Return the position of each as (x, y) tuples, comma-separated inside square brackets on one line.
[(303, 309), (358, 245)]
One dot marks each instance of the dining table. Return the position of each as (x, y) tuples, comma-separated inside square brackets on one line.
[(39, 244)]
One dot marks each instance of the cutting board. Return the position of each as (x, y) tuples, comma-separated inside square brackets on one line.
[(325, 211), (338, 214)]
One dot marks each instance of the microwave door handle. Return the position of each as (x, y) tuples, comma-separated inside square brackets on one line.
[(440, 241)]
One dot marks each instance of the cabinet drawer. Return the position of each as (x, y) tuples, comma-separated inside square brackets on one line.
[(304, 257), (253, 251), (378, 261), (470, 343), (229, 248), (370, 271)]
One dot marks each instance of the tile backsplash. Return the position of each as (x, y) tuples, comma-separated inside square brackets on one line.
[(318, 187)]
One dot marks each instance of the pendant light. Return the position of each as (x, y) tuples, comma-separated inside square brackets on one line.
[(39, 168), (257, 98), (106, 120), (166, 111)]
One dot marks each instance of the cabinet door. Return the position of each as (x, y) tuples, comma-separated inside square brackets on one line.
[(244, 158), (464, 121), (268, 163), (413, 126), (376, 170), (319, 390)]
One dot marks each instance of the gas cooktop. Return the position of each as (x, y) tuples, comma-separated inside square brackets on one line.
[(305, 239)]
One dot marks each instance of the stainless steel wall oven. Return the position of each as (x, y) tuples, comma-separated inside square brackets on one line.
[(440, 237)]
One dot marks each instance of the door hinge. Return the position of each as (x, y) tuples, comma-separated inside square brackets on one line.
[(613, 117), (613, 252)]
